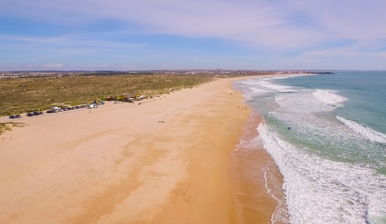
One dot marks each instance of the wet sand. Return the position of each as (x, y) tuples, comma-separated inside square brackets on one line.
[(258, 183), (168, 160)]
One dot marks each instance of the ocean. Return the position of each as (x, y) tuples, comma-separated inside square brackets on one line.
[(327, 135)]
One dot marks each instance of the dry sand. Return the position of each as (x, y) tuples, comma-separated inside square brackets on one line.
[(167, 160)]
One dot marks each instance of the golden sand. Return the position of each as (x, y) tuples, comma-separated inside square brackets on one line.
[(168, 160)]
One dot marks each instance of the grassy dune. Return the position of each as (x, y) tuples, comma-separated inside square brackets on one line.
[(20, 95), (9, 125)]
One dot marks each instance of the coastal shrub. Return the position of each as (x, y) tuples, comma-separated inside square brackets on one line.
[(9, 125), (20, 95)]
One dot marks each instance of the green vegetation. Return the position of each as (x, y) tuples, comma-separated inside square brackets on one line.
[(18, 95), (9, 125)]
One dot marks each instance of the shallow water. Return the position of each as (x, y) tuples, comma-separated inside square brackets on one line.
[(327, 134)]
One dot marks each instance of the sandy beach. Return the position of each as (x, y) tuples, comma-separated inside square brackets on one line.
[(167, 160)]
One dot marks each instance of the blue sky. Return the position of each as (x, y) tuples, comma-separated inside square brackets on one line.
[(192, 34)]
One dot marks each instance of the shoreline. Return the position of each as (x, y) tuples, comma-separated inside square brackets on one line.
[(164, 161), (258, 182)]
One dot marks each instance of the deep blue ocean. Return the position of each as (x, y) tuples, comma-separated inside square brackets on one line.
[(327, 134)]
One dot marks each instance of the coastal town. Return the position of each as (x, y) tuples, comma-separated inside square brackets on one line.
[(26, 74)]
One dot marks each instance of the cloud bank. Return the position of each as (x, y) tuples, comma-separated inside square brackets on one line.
[(297, 27)]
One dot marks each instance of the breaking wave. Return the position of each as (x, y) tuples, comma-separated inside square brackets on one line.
[(366, 132), (329, 97), (319, 190)]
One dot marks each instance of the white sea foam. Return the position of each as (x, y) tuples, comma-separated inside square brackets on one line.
[(332, 170), (329, 97), (319, 190), (248, 144), (262, 86), (254, 87), (301, 102), (278, 88), (259, 90), (280, 214), (279, 77), (299, 110), (366, 132)]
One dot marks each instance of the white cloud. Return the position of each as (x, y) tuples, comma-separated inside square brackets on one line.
[(262, 23), (350, 57), (70, 41), (239, 21), (275, 26)]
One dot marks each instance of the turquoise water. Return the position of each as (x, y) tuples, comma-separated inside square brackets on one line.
[(327, 134)]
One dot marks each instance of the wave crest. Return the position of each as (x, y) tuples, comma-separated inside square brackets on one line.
[(366, 132), (329, 97)]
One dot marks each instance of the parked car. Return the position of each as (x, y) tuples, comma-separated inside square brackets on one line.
[(12, 116), (92, 106), (30, 114), (17, 116)]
